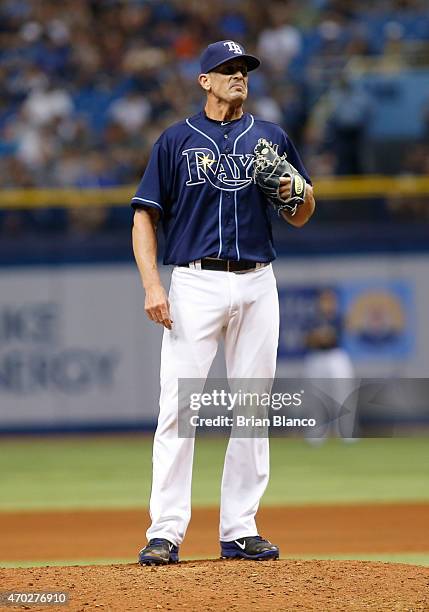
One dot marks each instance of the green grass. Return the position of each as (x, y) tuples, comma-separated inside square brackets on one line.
[(115, 472), (410, 558), (378, 470)]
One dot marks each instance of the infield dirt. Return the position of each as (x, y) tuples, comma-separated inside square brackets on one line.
[(298, 530), (287, 585), (232, 585)]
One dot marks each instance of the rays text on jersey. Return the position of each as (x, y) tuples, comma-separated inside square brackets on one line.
[(228, 172)]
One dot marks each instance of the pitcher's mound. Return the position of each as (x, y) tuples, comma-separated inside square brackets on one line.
[(231, 585)]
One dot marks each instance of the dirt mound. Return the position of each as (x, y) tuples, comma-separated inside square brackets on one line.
[(231, 585), (300, 530)]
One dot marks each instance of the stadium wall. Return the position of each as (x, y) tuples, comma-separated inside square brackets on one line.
[(78, 353)]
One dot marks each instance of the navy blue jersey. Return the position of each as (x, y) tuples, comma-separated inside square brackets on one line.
[(324, 332), (199, 177)]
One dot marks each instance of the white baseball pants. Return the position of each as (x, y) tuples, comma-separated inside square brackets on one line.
[(205, 306)]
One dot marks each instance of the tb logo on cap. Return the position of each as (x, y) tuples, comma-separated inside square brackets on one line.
[(233, 47)]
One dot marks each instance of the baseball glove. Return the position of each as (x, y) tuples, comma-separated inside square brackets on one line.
[(269, 167)]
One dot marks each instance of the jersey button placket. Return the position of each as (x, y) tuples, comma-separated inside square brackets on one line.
[(227, 148), (228, 216), (230, 224)]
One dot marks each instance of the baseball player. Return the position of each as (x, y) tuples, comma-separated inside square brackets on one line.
[(200, 183), (329, 362)]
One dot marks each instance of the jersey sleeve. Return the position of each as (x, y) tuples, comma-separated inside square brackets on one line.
[(294, 158), (154, 187)]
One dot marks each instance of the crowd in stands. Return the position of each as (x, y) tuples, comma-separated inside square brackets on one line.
[(86, 86)]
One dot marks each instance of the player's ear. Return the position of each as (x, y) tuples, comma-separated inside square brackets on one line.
[(204, 81)]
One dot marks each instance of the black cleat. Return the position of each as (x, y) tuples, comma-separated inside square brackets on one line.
[(159, 552), (253, 547)]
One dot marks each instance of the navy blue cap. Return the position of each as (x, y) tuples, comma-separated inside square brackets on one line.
[(223, 51)]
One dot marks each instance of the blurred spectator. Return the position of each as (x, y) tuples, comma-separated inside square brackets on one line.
[(268, 108), (45, 103), (294, 110), (80, 77), (68, 167), (35, 145), (280, 41), (131, 112), (347, 126), (97, 171)]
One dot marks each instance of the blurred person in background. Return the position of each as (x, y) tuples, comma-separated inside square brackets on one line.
[(69, 70), (330, 365), (47, 102), (131, 111), (280, 41), (347, 126)]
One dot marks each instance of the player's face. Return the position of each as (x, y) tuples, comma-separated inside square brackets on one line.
[(229, 81)]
